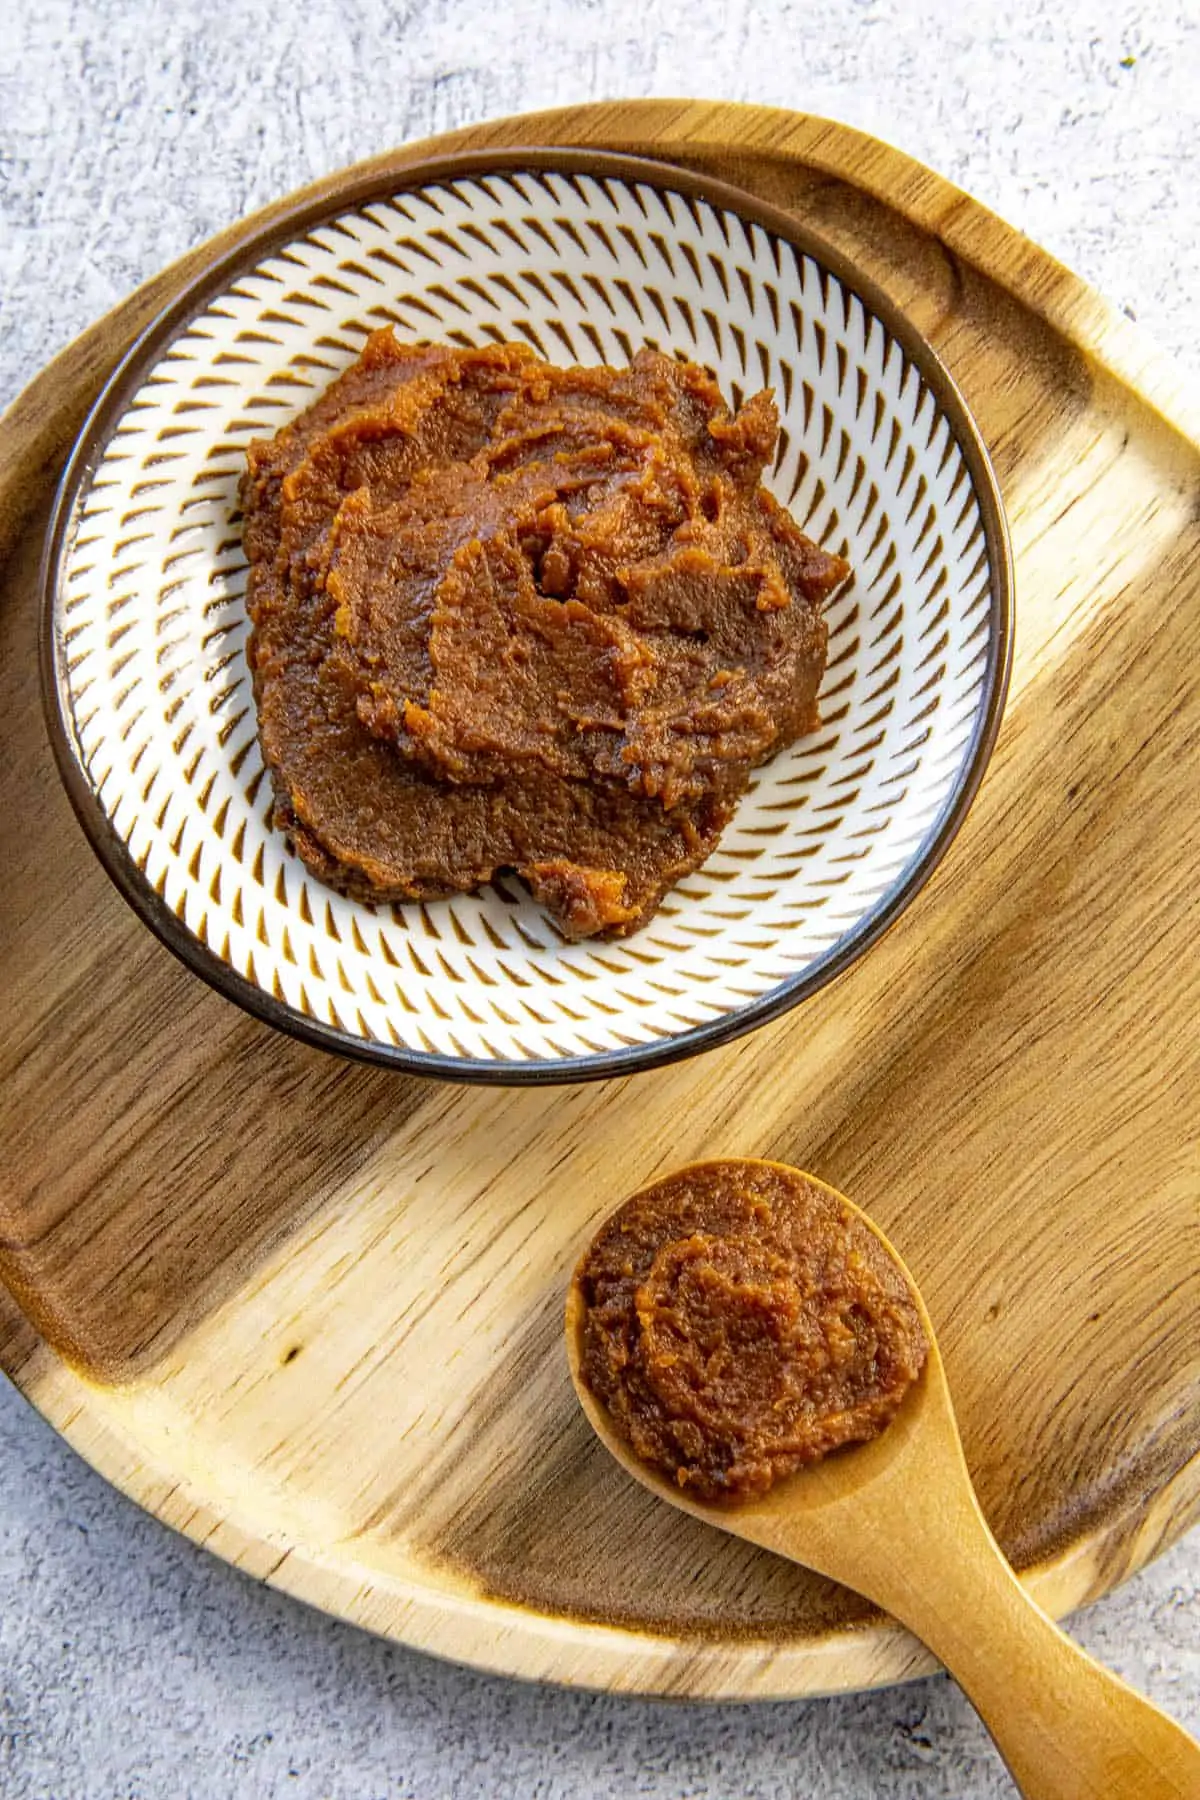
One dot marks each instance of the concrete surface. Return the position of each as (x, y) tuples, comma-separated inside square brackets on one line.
[(133, 1667)]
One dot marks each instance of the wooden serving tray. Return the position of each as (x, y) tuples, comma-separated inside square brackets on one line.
[(309, 1312)]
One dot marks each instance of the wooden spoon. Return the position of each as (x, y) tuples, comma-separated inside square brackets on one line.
[(897, 1519)]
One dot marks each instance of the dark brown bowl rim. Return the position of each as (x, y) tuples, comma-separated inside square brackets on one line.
[(356, 192)]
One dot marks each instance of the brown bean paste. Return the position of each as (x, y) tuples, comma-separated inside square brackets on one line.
[(512, 616), (740, 1321)]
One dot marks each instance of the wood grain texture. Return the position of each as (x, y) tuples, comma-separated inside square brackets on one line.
[(310, 1313)]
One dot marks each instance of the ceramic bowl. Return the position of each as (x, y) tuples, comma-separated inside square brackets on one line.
[(586, 258)]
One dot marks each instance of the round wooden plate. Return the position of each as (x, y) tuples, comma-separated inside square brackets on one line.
[(310, 1313)]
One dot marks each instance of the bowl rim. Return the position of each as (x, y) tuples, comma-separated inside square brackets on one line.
[(341, 194)]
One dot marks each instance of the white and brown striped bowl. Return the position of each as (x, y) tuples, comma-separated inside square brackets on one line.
[(587, 258)]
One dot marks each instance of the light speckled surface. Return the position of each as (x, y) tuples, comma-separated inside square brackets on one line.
[(132, 1667)]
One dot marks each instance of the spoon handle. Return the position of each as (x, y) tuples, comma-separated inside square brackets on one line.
[(1067, 1728)]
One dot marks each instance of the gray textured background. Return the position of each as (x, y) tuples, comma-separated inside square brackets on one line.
[(132, 1667)]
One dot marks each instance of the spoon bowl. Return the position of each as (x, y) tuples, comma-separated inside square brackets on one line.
[(897, 1519)]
